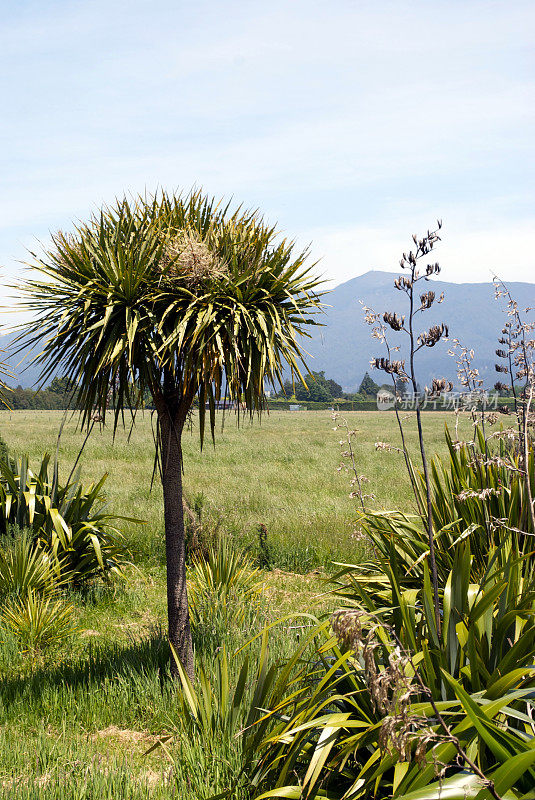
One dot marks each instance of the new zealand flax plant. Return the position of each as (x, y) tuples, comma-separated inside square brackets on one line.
[(181, 298), (386, 708)]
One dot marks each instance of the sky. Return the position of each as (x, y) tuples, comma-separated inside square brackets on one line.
[(351, 124)]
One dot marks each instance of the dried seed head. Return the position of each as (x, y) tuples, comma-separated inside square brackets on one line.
[(469, 494), (391, 367), (439, 386), (433, 335), (387, 671), (188, 259), (347, 627), (403, 283), (388, 447), (395, 322), (427, 299), (432, 269)]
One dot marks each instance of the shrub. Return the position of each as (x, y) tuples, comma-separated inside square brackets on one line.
[(225, 573), (394, 707), (223, 590), (476, 494), (361, 718), (483, 488), (24, 567), (216, 737), (426, 689), (67, 521), (39, 622), (220, 719)]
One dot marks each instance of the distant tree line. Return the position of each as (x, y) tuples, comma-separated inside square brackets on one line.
[(319, 389), (55, 396)]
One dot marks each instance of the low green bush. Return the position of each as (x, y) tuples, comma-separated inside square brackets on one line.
[(478, 492), (223, 592), (356, 722), (216, 741), (37, 621), (25, 567), (68, 521)]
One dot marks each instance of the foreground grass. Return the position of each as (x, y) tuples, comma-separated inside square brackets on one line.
[(76, 723)]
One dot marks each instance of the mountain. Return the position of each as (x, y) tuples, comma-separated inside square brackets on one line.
[(344, 347), (24, 372)]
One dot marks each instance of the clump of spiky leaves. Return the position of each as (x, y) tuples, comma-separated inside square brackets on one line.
[(217, 715), (39, 621), (393, 710), (32, 607), (226, 572), (478, 492), (223, 590), (67, 521), (25, 567)]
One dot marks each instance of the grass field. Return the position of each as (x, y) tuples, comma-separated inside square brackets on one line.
[(76, 723), (281, 472)]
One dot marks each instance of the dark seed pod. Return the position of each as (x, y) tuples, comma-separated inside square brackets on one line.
[(433, 335), (395, 322), (440, 385), (427, 299)]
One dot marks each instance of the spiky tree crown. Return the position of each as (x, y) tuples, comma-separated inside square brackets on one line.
[(172, 294)]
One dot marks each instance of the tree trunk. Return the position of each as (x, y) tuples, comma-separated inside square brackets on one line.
[(175, 544)]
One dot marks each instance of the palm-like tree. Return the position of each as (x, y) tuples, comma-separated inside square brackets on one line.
[(181, 298)]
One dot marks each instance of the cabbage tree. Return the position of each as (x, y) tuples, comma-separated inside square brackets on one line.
[(183, 299)]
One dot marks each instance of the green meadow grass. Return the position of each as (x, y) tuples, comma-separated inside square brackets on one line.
[(76, 722), (280, 471)]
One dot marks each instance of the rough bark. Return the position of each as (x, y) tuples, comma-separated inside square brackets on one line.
[(170, 427)]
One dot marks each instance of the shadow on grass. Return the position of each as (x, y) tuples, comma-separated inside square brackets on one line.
[(141, 657)]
